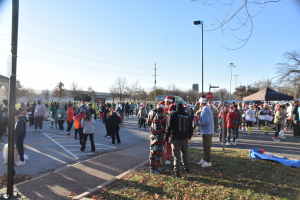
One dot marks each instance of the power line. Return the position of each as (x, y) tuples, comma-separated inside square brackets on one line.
[(68, 64), (78, 47), (72, 55)]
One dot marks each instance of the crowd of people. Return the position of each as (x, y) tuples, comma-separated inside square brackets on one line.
[(171, 125)]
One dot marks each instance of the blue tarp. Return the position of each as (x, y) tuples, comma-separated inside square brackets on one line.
[(254, 154)]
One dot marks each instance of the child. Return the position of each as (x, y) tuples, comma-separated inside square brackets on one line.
[(20, 134)]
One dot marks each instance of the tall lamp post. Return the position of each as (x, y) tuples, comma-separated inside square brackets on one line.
[(198, 23), (231, 65)]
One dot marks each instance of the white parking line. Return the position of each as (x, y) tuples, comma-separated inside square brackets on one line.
[(82, 154), (86, 149), (61, 146), (105, 145)]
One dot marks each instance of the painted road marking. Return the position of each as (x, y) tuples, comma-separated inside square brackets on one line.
[(82, 154), (76, 157)]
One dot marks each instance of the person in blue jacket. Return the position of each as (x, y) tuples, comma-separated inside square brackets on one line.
[(20, 134), (207, 129)]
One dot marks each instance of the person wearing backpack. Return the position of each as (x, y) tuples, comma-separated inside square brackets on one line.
[(180, 126), (142, 116), (232, 123)]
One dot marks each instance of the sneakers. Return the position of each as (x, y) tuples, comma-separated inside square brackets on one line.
[(258, 128), (152, 171), (198, 133), (158, 171), (234, 143), (61, 132), (168, 162), (236, 140), (201, 162), (276, 140), (108, 138), (20, 163), (35, 130), (40, 130), (282, 137), (206, 164), (228, 143), (266, 134)]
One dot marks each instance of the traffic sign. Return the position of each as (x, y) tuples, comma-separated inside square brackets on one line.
[(209, 95)]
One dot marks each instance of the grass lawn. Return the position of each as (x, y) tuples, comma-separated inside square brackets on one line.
[(232, 176)]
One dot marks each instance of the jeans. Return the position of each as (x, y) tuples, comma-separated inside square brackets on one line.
[(61, 124), (127, 113), (278, 128), (142, 121), (91, 136), (80, 135), (115, 134), (131, 112), (76, 131), (70, 124), (38, 121), (178, 147), (233, 134), (19, 144)]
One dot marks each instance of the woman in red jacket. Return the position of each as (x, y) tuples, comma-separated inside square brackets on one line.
[(232, 119), (225, 123), (70, 119)]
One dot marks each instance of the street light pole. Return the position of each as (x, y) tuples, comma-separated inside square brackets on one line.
[(236, 79), (231, 65), (197, 23)]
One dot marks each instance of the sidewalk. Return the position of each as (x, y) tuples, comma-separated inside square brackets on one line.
[(84, 176)]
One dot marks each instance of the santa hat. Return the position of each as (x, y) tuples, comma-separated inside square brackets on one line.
[(197, 103), (209, 103), (141, 105), (262, 151), (113, 111), (169, 98), (83, 103), (203, 99), (171, 108), (161, 104), (232, 107)]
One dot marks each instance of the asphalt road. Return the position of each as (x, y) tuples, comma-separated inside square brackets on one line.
[(49, 150)]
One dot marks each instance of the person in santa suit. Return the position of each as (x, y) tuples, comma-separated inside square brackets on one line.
[(168, 139), (168, 102)]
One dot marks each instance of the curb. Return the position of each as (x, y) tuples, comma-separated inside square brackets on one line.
[(83, 195)]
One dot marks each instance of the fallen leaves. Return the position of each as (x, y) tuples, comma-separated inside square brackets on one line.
[(18, 178)]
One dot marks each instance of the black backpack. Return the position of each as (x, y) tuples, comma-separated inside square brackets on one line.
[(183, 123)]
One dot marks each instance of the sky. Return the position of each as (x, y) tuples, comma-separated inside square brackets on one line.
[(92, 42)]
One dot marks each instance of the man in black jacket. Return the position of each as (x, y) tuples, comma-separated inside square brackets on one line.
[(180, 126), (105, 118), (113, 126)]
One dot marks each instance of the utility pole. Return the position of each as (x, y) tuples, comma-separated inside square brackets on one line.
[(231, 65), (154, 81), (12, 99)]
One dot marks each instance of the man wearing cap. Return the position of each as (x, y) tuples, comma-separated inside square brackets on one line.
[(207, 130), (39, 114), (181, 129), (157, 139)]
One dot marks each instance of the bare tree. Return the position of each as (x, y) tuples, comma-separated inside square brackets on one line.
[(239, 12), (289, 71), (114, 92), (121, 87), (91, 92), (30, 95), (59, 91), (75, 91), (47, 95), (20, 90)]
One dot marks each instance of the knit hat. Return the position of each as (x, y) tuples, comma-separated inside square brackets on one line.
[(171, 108), (203, 99), (82, 110), (161, 104), (169, 98), (209, 103)]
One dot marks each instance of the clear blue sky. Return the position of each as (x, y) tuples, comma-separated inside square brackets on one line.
[(150, 31)]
